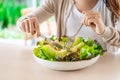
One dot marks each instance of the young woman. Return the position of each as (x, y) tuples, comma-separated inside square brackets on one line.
[(101, 19)]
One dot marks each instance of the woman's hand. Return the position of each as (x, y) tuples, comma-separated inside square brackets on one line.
[(94, 20), (31, 26)]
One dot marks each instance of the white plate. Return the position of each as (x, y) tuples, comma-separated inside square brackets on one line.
[(65, 66)]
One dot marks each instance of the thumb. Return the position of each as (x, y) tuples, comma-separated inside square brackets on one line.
[(83, 12)]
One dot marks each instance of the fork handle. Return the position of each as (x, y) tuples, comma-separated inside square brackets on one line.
[(51, 42), (44, 37), (78, 30)]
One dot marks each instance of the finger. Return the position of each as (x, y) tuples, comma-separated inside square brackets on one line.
[(83, 19), (37, 27), (93, 16), (28, 26), (95, 27), (86, 21), (38, 30), (90, 13), (31, 27), (91, 22), (90, 17), (96, 19), (83, 12), (87, 13), (23, 26)]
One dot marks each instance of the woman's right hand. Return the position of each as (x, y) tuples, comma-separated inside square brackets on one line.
[(31, 26)]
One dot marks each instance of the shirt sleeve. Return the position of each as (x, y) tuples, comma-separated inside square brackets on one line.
[(45, 11), (112, 35)]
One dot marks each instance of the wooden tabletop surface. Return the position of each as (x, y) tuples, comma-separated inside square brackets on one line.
[(17, 63)]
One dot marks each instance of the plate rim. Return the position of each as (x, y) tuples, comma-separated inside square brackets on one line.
[(64, 61)]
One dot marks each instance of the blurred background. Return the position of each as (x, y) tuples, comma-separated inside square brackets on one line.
[(10, 12)]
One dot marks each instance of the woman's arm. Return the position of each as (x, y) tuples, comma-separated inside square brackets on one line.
[(112, 35), (30, 22), (43, 12)]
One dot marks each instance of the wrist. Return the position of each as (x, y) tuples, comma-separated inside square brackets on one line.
[(101, 30)]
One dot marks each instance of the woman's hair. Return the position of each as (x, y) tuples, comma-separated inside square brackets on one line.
[(114, 6)]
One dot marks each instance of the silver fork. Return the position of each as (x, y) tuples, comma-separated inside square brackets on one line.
[(51, 42), (70, 40)]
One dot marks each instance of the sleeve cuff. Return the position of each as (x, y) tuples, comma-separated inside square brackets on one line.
[(107, 33)]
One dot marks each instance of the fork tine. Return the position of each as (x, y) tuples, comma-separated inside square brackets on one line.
[(65, 45), (68, 44), (70, 41)]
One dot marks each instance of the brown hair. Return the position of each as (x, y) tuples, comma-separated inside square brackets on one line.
[(114, 6)]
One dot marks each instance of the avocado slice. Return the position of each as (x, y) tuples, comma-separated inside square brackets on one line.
[(77, 47), (77, 41), (48, 51)]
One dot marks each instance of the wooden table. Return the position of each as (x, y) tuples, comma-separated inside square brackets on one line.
[(17, 63)]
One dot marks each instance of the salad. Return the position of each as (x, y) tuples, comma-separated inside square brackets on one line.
[(80, 50)]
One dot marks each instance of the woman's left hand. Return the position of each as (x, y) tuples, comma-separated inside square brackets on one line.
[(94, 20)]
